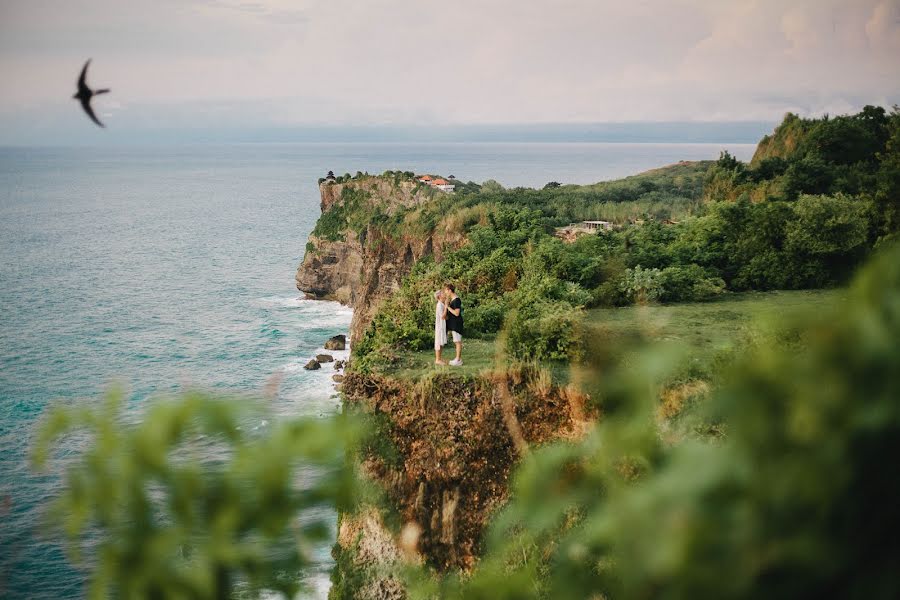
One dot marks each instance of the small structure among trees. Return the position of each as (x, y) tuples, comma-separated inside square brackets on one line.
[(438, 182), (573, 231)]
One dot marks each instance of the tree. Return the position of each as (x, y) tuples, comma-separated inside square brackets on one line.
[(491, 187), (887, 193), (642, 285), (827, 238)]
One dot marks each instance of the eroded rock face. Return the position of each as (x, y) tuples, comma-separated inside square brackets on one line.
[(331, 270), (368, 553), (364, 267), (454, 450)]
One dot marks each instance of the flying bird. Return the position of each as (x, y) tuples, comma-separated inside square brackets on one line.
[(85, 94)]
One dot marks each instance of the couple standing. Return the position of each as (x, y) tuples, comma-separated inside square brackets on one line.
[(447, 317)]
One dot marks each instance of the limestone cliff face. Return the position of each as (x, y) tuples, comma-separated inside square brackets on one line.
[(354, 261), (444, 456), (331, 270)]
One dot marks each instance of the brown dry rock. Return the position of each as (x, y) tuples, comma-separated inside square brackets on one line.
[(338, 342)]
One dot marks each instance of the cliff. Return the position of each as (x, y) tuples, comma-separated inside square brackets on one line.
[(366, 241), (785, 140), (442, 454), (442, 446)]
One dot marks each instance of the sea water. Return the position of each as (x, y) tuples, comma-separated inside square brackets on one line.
[(166, 268)]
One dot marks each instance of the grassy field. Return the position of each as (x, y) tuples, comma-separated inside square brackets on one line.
[(708, 330), (705, 331)]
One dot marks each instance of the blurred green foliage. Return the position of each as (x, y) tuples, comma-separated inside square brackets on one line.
[(189, 504), (800, 499)]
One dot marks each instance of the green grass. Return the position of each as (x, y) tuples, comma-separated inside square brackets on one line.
[(477, 355), (706, 331)]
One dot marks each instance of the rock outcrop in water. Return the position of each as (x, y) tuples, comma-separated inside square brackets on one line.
[(338, 342), (352, 258)]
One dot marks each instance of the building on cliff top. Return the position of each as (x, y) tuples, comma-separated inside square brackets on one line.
[(443, 185), (573, 231), (594, 225), (438, 183)]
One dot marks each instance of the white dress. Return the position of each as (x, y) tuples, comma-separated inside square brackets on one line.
[(440, 327)]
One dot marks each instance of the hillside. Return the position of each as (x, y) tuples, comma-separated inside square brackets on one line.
[(544, 316), (373, 229)]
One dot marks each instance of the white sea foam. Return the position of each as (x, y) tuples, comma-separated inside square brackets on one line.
[(282, 302), (312, 392), (319, 306)]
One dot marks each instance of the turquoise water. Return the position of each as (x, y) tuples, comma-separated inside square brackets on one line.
[(163, 268)]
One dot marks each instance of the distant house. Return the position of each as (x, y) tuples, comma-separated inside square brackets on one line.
[(572, 232), (439, 183), (595, 225), (330, 176), (443, 185)]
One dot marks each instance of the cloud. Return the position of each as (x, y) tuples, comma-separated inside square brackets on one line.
[(469, 61)]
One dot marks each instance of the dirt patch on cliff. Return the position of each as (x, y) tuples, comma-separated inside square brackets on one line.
[(443, 450)]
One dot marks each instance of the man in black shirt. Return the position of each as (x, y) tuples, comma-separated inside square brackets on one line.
[(454, 321)]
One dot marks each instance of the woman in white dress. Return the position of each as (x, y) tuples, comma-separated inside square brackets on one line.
[(440, 328)]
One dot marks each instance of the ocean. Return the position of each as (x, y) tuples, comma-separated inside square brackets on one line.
[(163, 268)]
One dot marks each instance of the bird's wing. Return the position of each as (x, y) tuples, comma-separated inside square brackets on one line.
[(103, 91), (86, 105), (82, 86)]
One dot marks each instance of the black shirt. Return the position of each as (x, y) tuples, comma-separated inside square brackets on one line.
[(455, 323)]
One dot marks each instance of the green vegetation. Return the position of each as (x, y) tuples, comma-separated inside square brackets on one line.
[(771, 226), (795, 500), (705, 329), (706, 332), (173, 525), (480, 355), (779, 485), (348, 214)]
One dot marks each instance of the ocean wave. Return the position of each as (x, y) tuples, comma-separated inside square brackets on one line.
[(324, 306)]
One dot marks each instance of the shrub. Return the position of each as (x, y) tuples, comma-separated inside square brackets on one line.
[(160, 523), (485, 316), (642, 285), (827, 238), (544, 330), (611, 293), (689, 283)]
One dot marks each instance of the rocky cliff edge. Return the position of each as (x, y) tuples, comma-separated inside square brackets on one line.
[(360, 250)]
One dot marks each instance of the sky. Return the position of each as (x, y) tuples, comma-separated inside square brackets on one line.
[(231, 67)]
